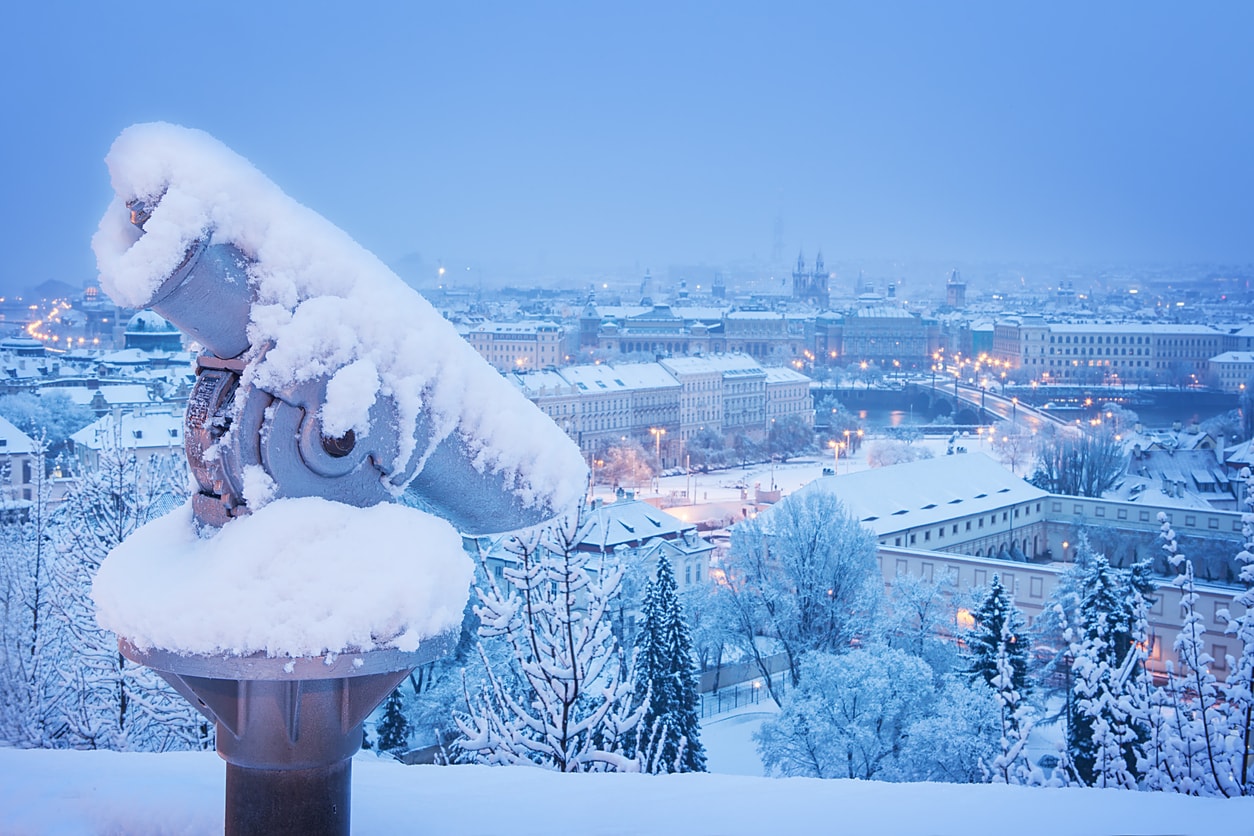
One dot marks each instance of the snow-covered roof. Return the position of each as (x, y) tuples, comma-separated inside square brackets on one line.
[(13, 440), (542, 382), (127, 357), (713, 364), (1132, 328), (783, 374), (628, 522), (645, 376), (149, 322), (121, 394), (515, 327), (1234, 357), (883, 312), (592, 378), (133, 431), (926, 492)]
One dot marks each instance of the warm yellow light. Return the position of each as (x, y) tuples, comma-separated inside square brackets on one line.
[(965, 619)]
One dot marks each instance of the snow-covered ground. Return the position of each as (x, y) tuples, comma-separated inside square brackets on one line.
[(728, 739), (67, 792)]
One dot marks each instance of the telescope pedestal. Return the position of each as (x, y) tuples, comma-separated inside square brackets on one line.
[(287, 728)]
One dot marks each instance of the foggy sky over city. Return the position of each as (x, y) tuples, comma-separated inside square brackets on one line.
[(568, 142)]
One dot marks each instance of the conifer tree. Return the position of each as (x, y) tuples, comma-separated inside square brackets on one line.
[(999, 629), (1103, 656), (1238, 689), (394, 727), (1197, 723), (1011, 766), (665, 673)]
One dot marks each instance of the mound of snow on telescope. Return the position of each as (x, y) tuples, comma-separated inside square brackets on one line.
[(300, 577)]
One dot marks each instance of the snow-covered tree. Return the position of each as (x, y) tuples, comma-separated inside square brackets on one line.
[(1104, 659), (1011, 765), (25, 554), (999, 631), (848, 715), (1195, 750), (1238, 688), (804, 574), (670, 730), (564, 702), (393, 729), (789, 436), (711, 620), (888, 451), (1101, 728), (95, 698), (953, 740), (51, 416), (919, 619)]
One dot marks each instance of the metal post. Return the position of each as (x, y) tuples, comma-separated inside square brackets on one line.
[(288, 728)]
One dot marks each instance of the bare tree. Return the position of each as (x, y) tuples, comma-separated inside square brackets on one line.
[(1012, 445), (1078, 463)]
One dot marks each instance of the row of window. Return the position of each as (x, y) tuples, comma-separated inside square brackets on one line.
[(992, 520)]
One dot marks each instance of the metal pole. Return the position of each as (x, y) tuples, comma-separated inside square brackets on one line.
[(296, 801)]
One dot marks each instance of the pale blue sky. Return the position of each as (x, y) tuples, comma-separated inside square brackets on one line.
[(585, 139)]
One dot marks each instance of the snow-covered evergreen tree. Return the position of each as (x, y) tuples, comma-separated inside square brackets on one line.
[(393, 729), (1195, 752), (564, 704), (95, 698), (1102, 728), (666, 682), (1103, 659), (1238, 688), (1011, 765), (999, 631)]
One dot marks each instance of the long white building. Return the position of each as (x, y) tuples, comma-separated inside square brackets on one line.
[(665, 403)]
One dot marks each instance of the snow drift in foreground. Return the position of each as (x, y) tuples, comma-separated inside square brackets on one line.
[(300, 577), (68, 792), (324, 307)]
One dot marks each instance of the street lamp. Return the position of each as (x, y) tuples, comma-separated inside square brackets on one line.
[(1014, 409), (657, 433), (835, 445)]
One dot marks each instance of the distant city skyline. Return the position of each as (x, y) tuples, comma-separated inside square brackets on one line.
[(570, 144)]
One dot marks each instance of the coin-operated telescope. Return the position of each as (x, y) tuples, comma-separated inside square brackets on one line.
[(320, 375)]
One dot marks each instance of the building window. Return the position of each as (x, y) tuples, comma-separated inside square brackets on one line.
[(1101, 511), (1122, 514), (1190, 520), (1036, 588)]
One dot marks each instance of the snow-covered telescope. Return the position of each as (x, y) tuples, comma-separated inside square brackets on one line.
[(323, 374), (341, 434)]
